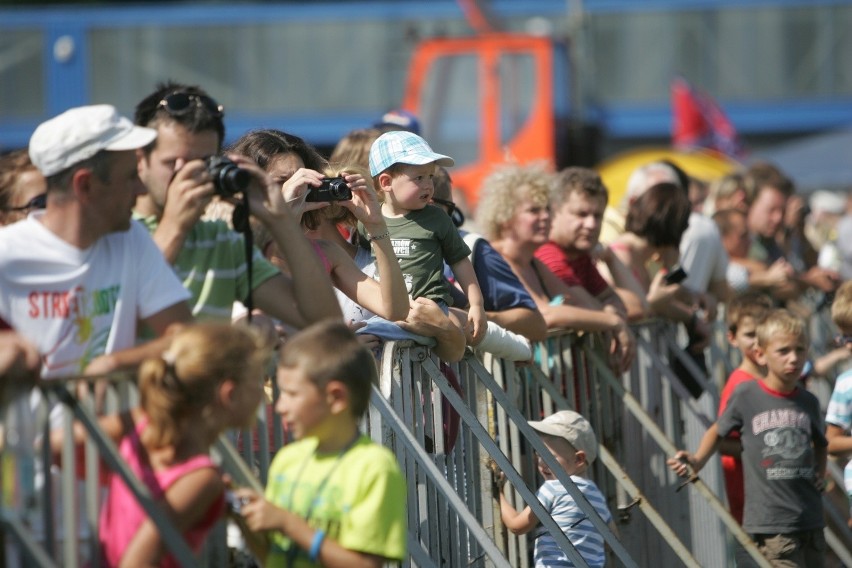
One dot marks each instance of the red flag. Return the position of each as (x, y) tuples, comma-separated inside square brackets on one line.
[(699, 122)]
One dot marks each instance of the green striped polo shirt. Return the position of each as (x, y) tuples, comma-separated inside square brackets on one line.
[(212, 266)]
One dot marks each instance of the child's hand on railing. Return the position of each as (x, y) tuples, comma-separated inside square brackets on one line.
[(681, 463), (498, 478)]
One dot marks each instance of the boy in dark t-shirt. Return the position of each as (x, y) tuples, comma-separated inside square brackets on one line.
[(783, 448)]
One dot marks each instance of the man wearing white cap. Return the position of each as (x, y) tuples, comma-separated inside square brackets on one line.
[(79, 277), (571, 440)]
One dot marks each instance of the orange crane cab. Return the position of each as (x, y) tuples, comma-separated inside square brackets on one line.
[(493, 98)]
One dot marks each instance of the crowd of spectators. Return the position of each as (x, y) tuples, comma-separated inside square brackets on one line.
[(120, 235)]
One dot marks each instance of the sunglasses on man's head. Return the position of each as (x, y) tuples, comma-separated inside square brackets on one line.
[(452, 210), (178, 104), (843, 340), (37, 202)]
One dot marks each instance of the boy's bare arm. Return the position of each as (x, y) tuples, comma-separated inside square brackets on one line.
[(839, 443), (708, 446), (464, 273), (614, 528), (519, 522)]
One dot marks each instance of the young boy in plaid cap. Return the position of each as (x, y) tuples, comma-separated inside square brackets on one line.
[(403, 167)]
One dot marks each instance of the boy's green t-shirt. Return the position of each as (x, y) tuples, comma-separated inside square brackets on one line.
[(358, 500), (423, 240)]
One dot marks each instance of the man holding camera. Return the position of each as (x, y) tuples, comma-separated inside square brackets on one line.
[(208, 256)]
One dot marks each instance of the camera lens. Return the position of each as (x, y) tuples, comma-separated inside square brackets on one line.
[(228, 178), (233, 179), (339, 190)]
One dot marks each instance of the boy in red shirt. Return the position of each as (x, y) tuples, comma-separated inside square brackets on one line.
[(744, 313)]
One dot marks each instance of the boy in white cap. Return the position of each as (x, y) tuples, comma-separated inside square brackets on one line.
[(403, 166), (571, 440)]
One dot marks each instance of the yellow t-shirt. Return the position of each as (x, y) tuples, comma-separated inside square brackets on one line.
[(358, 499)]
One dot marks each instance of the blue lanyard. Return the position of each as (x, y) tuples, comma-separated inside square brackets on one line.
[(294, 550)]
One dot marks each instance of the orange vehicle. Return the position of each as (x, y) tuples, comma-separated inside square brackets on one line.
[(497, 97)]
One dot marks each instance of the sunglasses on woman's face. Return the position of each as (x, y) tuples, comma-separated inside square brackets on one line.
[(452, 210), (178, 104), (37, 202)]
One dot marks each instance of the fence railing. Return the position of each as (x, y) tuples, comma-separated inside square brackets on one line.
[(448, 425)]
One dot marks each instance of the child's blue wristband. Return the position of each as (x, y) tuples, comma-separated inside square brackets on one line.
[(319, 536)]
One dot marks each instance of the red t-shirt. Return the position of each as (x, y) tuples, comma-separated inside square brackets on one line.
[(733, 467), (579, 271)]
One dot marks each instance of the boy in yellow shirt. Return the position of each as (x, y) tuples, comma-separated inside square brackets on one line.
[(333, 498)]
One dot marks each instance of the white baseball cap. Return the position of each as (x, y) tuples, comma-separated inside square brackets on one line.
[(79, 133), (574, 428)]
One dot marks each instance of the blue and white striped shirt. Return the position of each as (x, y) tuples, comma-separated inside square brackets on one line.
[(839, 413), (574, 523)]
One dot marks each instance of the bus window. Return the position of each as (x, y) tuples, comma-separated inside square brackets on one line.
[(517, 86), (450, 111)]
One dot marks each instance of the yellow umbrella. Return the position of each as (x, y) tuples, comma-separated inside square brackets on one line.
[(705, 165)]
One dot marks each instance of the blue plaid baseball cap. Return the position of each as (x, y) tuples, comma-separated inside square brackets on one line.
[(402, 147)]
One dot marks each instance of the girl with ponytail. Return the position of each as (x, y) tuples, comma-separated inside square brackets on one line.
[(209, 380)]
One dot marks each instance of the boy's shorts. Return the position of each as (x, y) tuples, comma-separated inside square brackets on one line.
[(390, 331), (802, 549)]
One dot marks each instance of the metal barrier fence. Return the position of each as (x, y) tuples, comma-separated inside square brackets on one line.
[(635, 418), (444, 422), (61, 531)]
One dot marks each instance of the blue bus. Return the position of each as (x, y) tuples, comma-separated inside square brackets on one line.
[(319, 69)]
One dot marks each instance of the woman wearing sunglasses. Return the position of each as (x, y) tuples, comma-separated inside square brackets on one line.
[(22, 187)]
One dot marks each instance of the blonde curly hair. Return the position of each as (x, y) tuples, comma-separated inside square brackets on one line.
[(504, 189)]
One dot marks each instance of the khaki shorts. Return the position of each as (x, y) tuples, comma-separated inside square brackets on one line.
[(803, 549)]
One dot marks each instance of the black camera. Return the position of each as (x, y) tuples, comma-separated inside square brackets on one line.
[(228, 178), (676, 275), (332, 189)]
